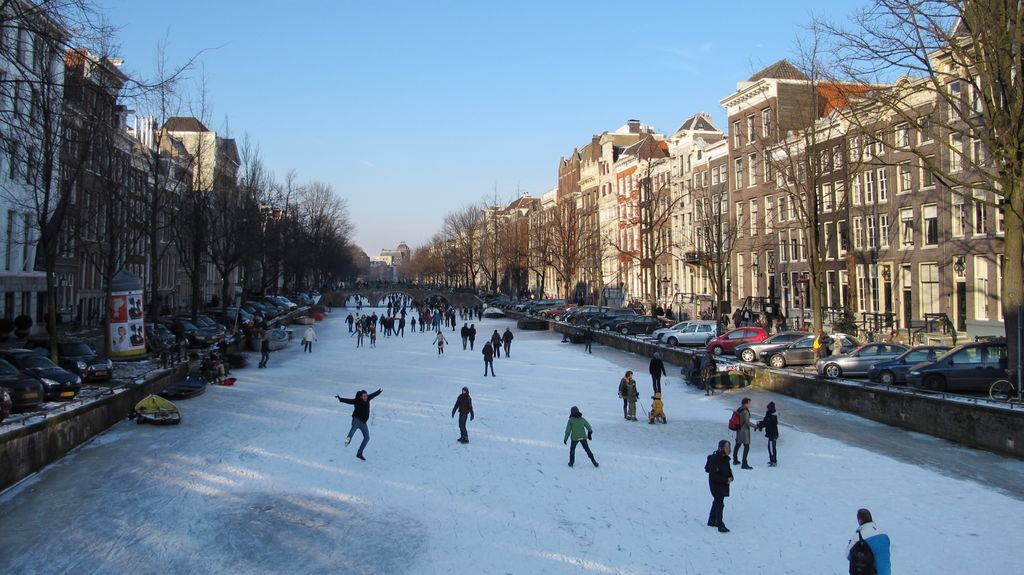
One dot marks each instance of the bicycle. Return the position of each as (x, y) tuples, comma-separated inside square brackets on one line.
[(1004, 390)]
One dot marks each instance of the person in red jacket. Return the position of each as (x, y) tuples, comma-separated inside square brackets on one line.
[(360, 415)]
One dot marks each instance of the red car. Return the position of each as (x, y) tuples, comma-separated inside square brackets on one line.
[(727, 342)]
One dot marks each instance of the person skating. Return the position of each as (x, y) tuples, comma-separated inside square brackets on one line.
[(307, 340), (588, 339), (878, 542), (719, 478), (464, 332), (264, 349), (412, 324), (657, 410), (350, 321), (496, 343), (708, 371), (360, 415), (579, 431), (657, 369), (770, 425), (464, 405), (506, 338), (472, 335), (440, 341), (628, 393), (743, 434), (488, 352), (401, 326)]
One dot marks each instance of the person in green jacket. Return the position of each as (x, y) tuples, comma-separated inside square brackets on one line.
[(580, 431)]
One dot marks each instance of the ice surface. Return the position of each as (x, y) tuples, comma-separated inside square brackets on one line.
[(256, 479)]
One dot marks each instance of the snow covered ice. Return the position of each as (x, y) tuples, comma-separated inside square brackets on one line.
[(257, 479)]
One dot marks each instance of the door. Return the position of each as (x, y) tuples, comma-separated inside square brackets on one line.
[(961, 306)]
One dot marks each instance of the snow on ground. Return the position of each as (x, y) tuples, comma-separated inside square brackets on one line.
[(257, 480)]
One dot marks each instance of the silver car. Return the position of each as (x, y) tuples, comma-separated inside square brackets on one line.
[(858, 362), (659, 334), (694, 333)]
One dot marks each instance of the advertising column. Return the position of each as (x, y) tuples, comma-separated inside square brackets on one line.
[(127, 332)]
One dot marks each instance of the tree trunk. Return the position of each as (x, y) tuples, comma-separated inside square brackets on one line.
[(1013, 279)]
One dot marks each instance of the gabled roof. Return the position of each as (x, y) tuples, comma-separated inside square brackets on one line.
[(781, 70), (700, 122), (521, 203), (184, 124)]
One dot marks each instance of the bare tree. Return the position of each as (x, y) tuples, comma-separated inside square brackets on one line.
[(464, 230)]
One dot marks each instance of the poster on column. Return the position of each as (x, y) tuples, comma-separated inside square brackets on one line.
[(127, 335)]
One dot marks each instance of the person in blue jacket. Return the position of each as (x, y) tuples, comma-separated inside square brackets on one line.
[(876, 539)]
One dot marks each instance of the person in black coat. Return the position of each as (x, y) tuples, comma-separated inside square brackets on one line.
[(264, 350), (496, 343), (657, 370), (719, 477), (464, 405), (488, 352), (465, 335), (472, 335), (506, 338), (588, 339), (770, 425), (360, 415)]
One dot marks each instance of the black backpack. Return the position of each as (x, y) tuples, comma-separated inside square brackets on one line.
[(862, 559)]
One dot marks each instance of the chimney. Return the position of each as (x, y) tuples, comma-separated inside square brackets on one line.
[(634, 126)]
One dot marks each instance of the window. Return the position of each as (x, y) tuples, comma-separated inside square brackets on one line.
[(844, 238), (827, 238), (954, 97), (902, 136), (980, 223), (714, 177), (769, 213), (854, 145), (907, 227), (1000, 217), (930, 225), (905, 182), (752, 166), (783, 247), (740, 272), (753, 217), (751, 131), (878, 144), (826, 197), (855, 191), (924, 127), (883, 230), (858, 234), (883, 185), (766, 122), (929, 280), (12, 159), (739, 218), (769, 171), (975, 92), (956, 152), (736, 134), (782, 208), (927, 177), (739, 172), (837, 157), (958, 213), (872, 236), (839, 192), (980, 288), (869, 188), (977, 152)]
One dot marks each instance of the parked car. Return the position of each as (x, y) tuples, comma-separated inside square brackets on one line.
[(610, 316), (749, 351), (232, 317), (967, 367), (728, 341), (658, 334), (894, 371), (158, 337), (859, 361), (693, 333), (585, 313), (24, 391), (544, 305), (801, 351), (78, 357), (558, 311), (58, 383), (280, 300), (636, 325), (196, 336)]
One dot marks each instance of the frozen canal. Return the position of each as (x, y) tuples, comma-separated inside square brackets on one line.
[(256, 479)]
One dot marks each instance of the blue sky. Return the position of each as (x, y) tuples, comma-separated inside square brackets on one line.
[(412, 109)]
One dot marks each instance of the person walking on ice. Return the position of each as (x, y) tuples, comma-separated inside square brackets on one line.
[(579, 431), (875, 560), (719, 478), (628, 393), (464, 405), (770, 425), (742, 434), (488, 352), (360, 415), (657, 369), (307, 340), (496, 343), (506, 338), (440, 341)]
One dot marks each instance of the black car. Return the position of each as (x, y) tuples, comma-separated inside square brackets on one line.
[(158, 338), (610, 316), (644, 324), (25, 391), (894, 371), (78, 357), (968, 367), (58, 383), (196, 336)]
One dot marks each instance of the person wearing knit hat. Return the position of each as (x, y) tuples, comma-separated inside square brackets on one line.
[(579, 431), (770, 425)]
